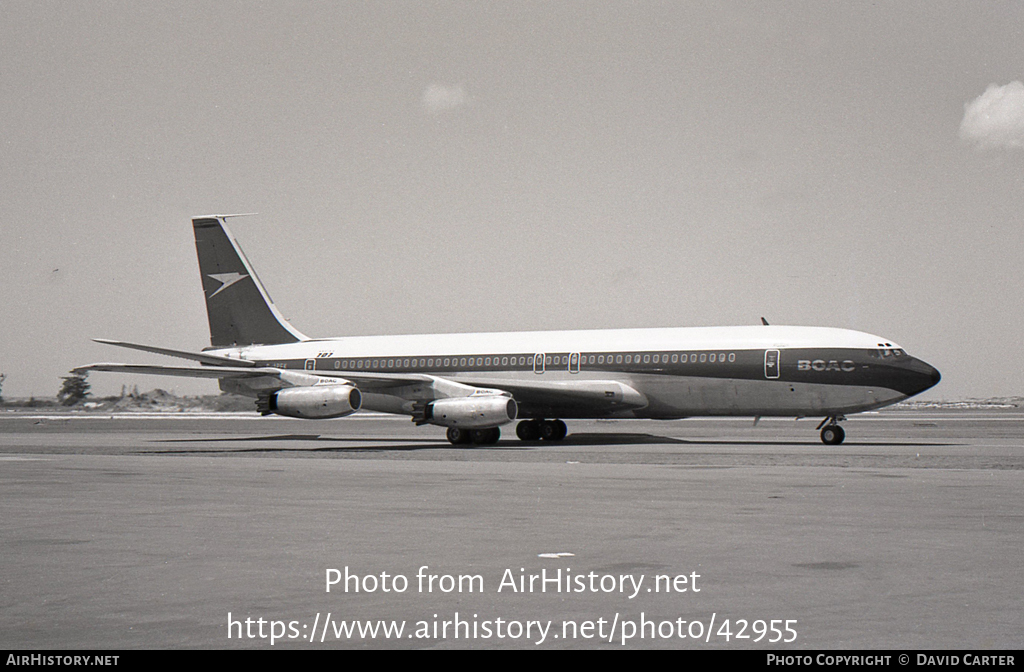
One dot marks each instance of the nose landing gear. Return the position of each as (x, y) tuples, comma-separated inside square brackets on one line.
[(831, 433)]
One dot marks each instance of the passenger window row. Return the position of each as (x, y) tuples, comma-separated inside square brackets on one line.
[(461, 363)]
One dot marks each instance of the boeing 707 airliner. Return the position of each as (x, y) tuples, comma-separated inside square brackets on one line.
[(473, 384)]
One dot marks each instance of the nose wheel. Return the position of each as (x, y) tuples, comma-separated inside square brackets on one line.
[(831, 433)]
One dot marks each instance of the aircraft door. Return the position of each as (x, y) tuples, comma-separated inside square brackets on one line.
[(574, 362), (310, 365), (771, 363), (538, 363)]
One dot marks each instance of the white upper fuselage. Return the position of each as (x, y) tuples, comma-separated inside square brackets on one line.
[(590, 340)]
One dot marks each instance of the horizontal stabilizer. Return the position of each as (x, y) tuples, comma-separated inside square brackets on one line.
[(184, 354)]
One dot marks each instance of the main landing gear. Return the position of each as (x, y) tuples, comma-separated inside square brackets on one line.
[(549, 430), (480, 437), (527, 430), (831, 433)]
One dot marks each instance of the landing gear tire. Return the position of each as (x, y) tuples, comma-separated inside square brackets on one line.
[(528, 430), (832, 435), (458, 436), (485, 437), (553, 430)]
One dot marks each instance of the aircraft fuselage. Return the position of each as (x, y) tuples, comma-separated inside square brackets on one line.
[(674, 372)]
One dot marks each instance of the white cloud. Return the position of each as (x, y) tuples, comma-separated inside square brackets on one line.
[(996, 117), (439, 98)]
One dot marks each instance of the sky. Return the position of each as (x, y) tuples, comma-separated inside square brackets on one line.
[(424, 167)]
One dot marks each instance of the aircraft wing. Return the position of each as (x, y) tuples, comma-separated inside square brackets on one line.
[(536, 398), (600, 395)]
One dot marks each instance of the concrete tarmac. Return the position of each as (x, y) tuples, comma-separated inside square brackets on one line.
[(169, 532)]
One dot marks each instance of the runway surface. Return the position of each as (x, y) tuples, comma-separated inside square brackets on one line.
[(148, 531)]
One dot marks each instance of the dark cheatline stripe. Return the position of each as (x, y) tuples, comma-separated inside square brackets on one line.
[(846, 366)]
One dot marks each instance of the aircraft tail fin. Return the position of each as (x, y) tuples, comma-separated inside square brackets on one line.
[(238, 307)]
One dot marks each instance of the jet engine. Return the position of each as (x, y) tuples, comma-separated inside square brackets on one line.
[(474, 412), (319, 402)]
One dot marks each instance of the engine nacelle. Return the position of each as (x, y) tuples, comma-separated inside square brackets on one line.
[(320, 402), (475, 412)]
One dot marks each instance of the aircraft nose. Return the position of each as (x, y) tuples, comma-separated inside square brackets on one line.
[(926, 376)]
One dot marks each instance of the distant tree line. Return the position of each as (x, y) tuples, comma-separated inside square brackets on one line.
[(74, 390)]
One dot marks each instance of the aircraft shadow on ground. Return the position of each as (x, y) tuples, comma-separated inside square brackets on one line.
[(419, 444), (599, 439), (393, 445), (291, 437)]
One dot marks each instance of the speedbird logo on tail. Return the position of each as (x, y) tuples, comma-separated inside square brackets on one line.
[(225, 280)]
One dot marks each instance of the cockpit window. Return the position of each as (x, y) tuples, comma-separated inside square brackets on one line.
[(886, 350)]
